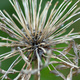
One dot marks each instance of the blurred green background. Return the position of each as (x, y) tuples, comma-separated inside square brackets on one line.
[(45, 74)]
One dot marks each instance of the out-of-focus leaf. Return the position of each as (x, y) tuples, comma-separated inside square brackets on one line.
[(75, 48), (66, 50), (57, 73), (61, 67), (76, 53)]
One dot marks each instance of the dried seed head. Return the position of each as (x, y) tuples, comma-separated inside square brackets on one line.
[(38, 36)]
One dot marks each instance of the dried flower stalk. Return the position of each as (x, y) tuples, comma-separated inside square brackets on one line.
[(37, 40)]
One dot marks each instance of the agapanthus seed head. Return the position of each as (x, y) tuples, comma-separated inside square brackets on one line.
[(35, 41)]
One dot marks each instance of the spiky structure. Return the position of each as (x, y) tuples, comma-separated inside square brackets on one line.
[(38, 36)]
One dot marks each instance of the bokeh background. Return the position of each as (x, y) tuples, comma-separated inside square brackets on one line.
[(45, 74)]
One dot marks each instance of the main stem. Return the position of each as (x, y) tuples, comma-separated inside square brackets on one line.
[(36, 67)]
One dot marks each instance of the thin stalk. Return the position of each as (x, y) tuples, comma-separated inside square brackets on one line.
[(35, 67)]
